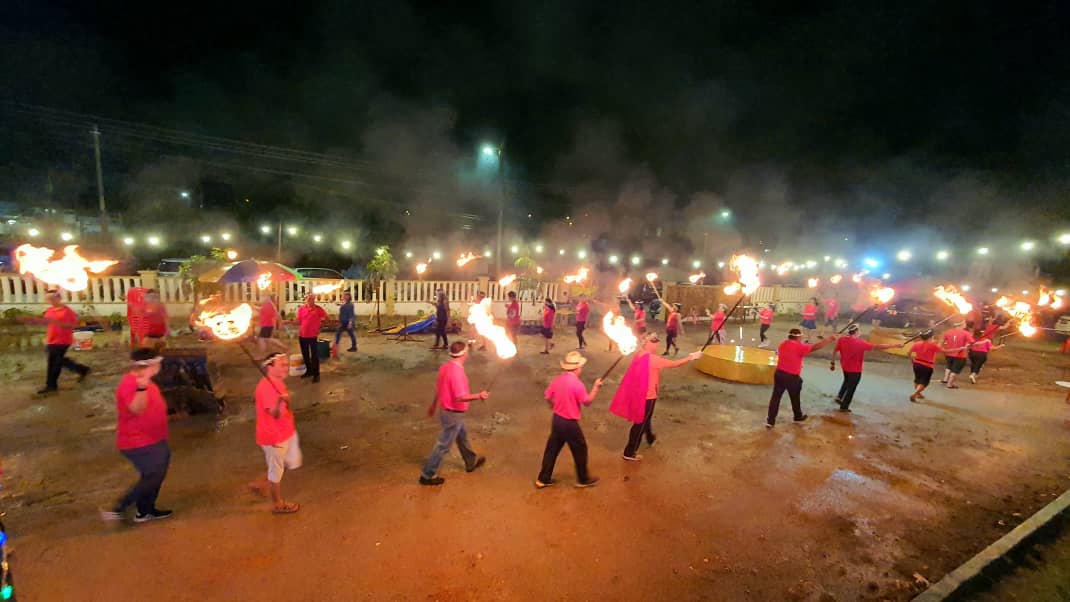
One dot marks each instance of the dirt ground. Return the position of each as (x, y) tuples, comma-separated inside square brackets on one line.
[(842, 507)]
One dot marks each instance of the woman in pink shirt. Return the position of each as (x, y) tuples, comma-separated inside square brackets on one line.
[(717, 324), (638, 316), (809, 318), (268, 319), (512, 318), (275, 432), (583, 311), (638, 393), (141, 436), (565, 395), (549, 312), (979, 353), (766, 318), (673, 328)]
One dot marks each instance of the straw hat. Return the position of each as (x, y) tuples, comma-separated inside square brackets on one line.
[(573, 360)]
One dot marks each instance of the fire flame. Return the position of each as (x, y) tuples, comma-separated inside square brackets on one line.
[(539, 270), (857, 278), (625, 286), (651, 276), (68, 272), (694, 278), (951, 296), (882, 295), (323, 289), (618, 331), (578, 277), (466, 258), (479, 315), (421, 268), (1057, 303), (836, 279), (1020, 311), (227, 325), (1045, 298), (507, 280), (746, 269), (263, 281), (812, 282)]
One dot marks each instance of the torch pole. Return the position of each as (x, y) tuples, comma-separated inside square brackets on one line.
[(855, 319), (611, 367), (709, 339), (929, 329), (259, 368)]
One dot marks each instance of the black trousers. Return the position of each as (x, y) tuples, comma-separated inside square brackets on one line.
[(792, 383), (151, 463), (311, 354), (761, 332), (977, 360), (440, 332), (847, 389), (670, 340), (562, 431), (635, 436), (57, 360), (580, 326)]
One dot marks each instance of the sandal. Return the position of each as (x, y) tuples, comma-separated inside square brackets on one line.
[(287, 508)]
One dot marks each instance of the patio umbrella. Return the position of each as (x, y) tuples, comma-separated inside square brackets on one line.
[(249, 270)]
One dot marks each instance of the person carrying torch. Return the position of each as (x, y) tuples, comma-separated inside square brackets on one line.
[(809, 318), (673, 329), (787, 377), (565, 395), (583, 311), (453, 396), (638, 393), (59, 337), (852, 350), (923, 356), (955, 344), (717, 321), (766, 318), (512, 319), (275, 432)]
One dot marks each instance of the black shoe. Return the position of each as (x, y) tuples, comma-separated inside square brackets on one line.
[(306, 375), (479, 462), (801, 418), (666, 354), (316, 378), (351, 349), (84, 373), (432, 480), (768, 424), (845, 409), (652, 440), (154, 515), (47, 391)]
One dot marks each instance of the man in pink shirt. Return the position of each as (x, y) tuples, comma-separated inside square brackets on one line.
[(512, 318), (275, 431), (809, 318), (268, 320), (549, 313), (583, 311), (141, 436), (452, 395), (673, 328), (766, 318), (310, 318), (789, 365), (955, 344), (717, 324), (59, 337), (832, 314), (852, 352), (566, 394), (638, 393)]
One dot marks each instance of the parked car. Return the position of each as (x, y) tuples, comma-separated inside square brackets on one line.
[(1062, 326), (171, 265), (320, 273)]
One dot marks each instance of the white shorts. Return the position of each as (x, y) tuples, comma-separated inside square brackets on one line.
[(285, 455)]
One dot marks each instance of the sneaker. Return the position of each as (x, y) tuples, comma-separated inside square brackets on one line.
[(973, 379), (111, 515), (768, 425), (351, 349), (479, 462), (540, 485), (914, 398), (635, 458), (836, 399), (154, 515), (83, 374), (47, 391), (951, 386), (316, 378), (590, 482), (801, 418), (653, 439), (843, 409), (432, 481)]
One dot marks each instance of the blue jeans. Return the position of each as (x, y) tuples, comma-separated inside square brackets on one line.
[(151, 462), (352, 335), (453, 429)]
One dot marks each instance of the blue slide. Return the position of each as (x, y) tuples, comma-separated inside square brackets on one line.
[(416, 327)]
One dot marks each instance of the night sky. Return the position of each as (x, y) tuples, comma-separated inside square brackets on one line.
[(844, 116)]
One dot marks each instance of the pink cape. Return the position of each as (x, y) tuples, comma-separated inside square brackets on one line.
[(629, 402)]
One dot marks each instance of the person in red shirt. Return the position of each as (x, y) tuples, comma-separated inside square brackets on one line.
[(766, 318), (955, 344), (310, 319), (565, 395), (275, 431), (513, 319), (809, 318), (786, 378), (268, 320), (673, 328), (452, 395), (141, 436), (583, 311), (852, 352), (978, 353), (638, 393), (59, 337), (549, 312), (923, 356), (638, 316), (717, 324), (832, 315), (156, 319)]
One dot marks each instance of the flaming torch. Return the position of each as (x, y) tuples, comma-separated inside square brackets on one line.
[(950, 295), (421, 268), (69, 272), (748, 281), (880, 295), (263, 281), (625, 286), (812, 282), (479, 315), (1020, 311), (324, 289), (696, 278), (651, 277), (467, 258), (620, 333), (507, 280), (578, 277), (836, 279), (227, 325)]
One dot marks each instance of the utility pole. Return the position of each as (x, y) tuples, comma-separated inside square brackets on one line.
[(501, 210), (278, 248), (100, 181)]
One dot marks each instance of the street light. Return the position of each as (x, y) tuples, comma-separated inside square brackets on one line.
[(318, 238), (33, 232), (904, 255), (982, 250), (942, 255), (225, 236), (346, 244), (128, 241), (184, 194), (582, 254), (538, 248), (66, 236), (1064, 239), (514, 249), (154, 241), (436, 255), (664, 261), (265, 229), (696, 264), (291, 230), (1028, 246), (493, 156), (613, 259), (635, 260), (206, 239)]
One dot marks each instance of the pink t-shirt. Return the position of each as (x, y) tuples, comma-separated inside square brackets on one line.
[(832, 309), (766, 315), (790, 356), (955, 338), (567, 394), (267, 315), (548, 316), (984, 346), (271, 430), (56, 334), (451, 386), (512, 313), (138, 430), (717, 320), (852, 352), (310, 319), (925, 352), (673, 323), (809, 312), (583, 310), (656, 364)]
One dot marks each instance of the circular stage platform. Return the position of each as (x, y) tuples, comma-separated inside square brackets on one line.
[(748, 365), (898, 335)]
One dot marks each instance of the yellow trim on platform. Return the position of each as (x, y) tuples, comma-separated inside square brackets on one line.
[(748, 365)]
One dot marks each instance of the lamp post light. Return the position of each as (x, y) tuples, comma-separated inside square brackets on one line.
[(493, 155)]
